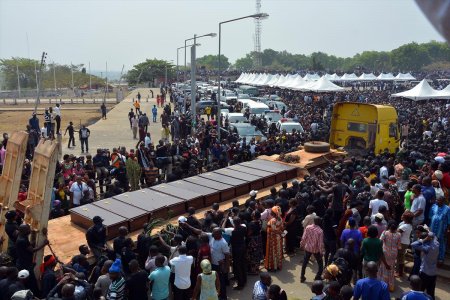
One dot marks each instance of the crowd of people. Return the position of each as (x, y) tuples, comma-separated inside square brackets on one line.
[(359, 217)]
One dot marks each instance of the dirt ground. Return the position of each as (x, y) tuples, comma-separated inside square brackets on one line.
[(14, 120)]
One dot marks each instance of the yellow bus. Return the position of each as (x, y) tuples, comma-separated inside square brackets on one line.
[(370, 127)]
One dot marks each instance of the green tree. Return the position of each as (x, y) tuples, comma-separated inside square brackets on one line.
[(211, 62), (150, 69), (244, 63)]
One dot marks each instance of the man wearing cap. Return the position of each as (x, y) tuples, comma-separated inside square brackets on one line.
[(429, 248), (96, 237), (116, 290)]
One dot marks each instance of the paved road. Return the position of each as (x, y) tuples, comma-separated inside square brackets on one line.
[(115, 130)]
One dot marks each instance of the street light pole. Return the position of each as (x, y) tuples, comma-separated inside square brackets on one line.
[(219, 117), (185, 41), (193, 85)]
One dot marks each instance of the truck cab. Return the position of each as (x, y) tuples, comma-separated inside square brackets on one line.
[(364, 127)]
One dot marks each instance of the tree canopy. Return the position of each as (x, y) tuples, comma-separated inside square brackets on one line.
[(150, 69), (26, 68), (212, 62), (408, 57)]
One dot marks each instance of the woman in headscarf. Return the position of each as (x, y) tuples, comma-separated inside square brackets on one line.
[(208, 284), (274, 245)]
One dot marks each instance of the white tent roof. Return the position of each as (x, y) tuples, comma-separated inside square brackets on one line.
[(279, 81), (311, 77), (387, 76), (406, 76), (286, 79), (346, 77), (240, 78), (365, 76), (444, 93), (289, 81), (422, 91), (262, 79), (297, 83), (273, 80), (324, 85)]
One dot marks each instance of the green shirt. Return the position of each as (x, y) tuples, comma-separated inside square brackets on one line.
[(408, 195), (372, 249)]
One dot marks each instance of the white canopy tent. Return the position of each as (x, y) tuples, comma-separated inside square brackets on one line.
[(444, 93), (323, 85), (289, 81), (273, 80), (311, 77), (384, 76), (404, 77), (279, 81), (296, 83), (367, 77), (422, 91)]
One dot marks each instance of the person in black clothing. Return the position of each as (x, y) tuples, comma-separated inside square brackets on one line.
[(103, 109), (238, 245), (339, 190), (11, 278), (143, 244), (282, 201), (84, 134), (48, 275), (48, 122), (101, 163), (139, 96), (137, 283), (71, 131), (329, 235), (12, 230), (119, 242), (127, 254), (96, 237), (130, 116)]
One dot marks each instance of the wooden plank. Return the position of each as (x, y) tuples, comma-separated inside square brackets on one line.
[(10, 177)]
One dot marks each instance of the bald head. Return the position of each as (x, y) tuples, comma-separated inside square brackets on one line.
[(265, 278), (372, 269), (68, 290)]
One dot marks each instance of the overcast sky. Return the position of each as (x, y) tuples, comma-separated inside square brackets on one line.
[(128, 32)]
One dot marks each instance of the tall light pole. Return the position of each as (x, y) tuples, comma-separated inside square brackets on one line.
[(212, 34), (255, 16), (178, 54)]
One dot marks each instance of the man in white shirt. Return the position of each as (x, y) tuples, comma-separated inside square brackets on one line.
[(147, 140), (384, 174), (418, 205), (77, 190), (375, 204), (220, 258), (182, 267), (57, 114)]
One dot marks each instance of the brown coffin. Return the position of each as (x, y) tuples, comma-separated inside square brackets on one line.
[(189, 198), (255, 182), (83, 215), (227, 192), (154, 203), (136, 217), (241, 187), (284, 171), (210, 196), (269, 178)]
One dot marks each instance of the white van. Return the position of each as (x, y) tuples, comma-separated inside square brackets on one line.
[(244, 103), (257, 108), (236, 117)]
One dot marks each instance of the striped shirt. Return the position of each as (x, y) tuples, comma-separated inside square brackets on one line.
[(312, 239), (259, 291), (116, 290)]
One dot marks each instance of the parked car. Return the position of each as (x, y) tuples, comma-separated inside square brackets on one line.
[(247, 131), (277, 105), (288, 125), (236, 117), (272, 116)]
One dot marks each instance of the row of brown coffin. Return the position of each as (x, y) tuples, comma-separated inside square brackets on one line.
[(134, 209)]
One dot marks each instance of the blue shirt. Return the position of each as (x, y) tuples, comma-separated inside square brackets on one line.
[(154, 110), (371, 289), (415, 295), (160, 278), (354, 234), (429, 253)]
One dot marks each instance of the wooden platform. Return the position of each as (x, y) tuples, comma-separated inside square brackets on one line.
[(172, 199)]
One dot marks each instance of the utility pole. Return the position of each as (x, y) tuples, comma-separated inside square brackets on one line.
[(106, 74), (38, 80), (90, 78), (18, 79), (193, 85), (71, 69), (54, 76)]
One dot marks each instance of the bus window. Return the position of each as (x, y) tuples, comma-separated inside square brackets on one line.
[(393, 130)]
